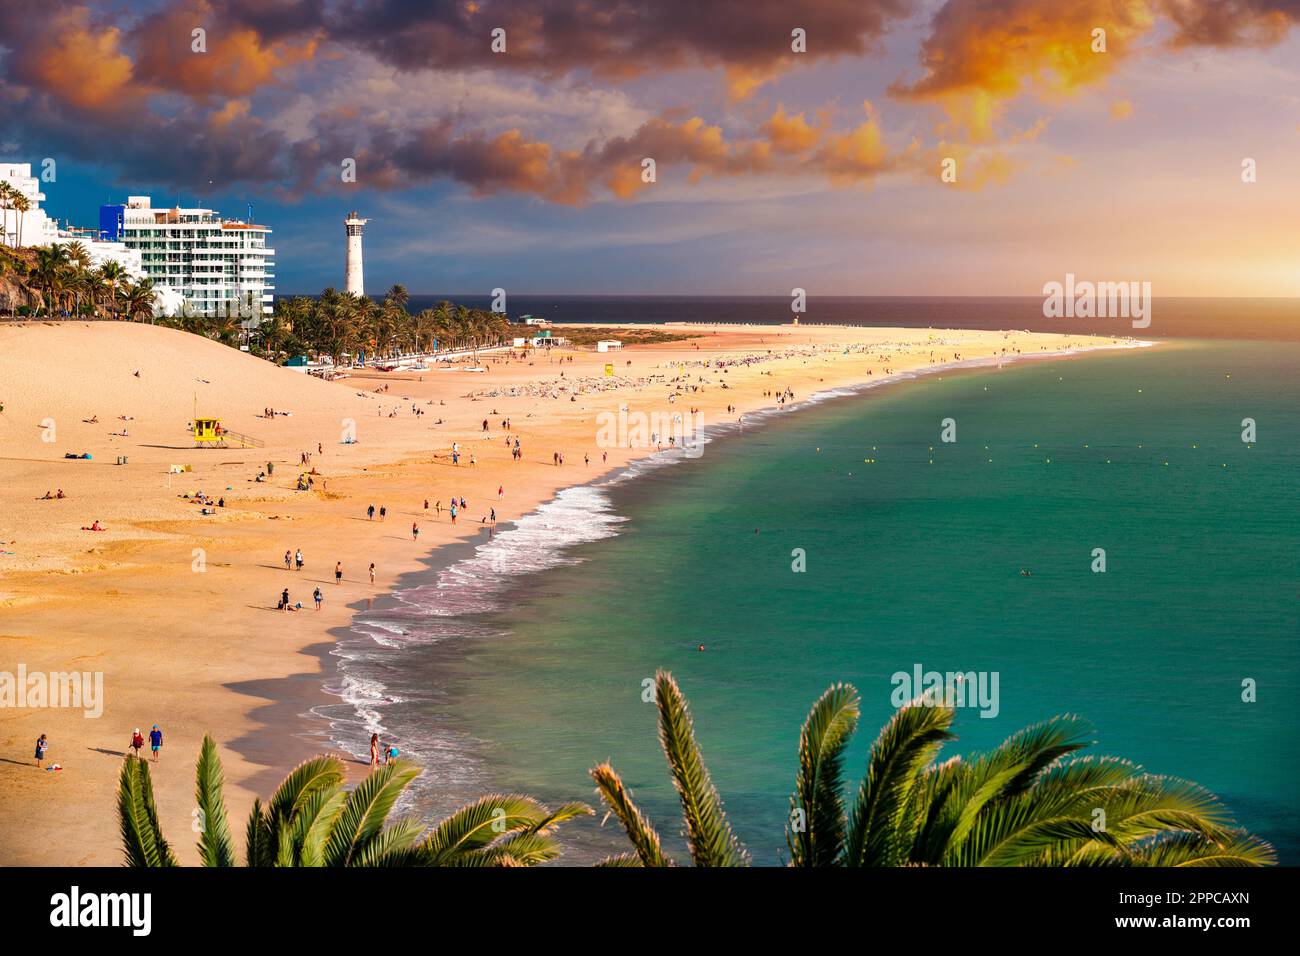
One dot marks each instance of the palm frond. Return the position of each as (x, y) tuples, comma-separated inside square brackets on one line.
[(296, 788), (366, 811), (880, 830), (708, 833), (259, 841), (620, 859), (818, 838), (143, 843), (478, 824), (639, 829), (215, 846)]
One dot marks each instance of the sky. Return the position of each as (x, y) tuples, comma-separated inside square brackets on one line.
[(774, 167)]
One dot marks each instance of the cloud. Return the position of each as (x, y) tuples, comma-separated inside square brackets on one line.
[(981, 54), (237, 60), (751, 40), (411, 91), (70, 55), (1227, 23), (790, 134)]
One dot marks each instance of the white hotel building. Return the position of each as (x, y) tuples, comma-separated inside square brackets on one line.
[(35, 228), (217, 265)]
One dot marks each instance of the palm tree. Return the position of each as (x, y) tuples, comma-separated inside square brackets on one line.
[(7, 192), (397, 296), (137, 299), (50, 275), (311, 820), (21, 205), (112, 274), (1027, 803)]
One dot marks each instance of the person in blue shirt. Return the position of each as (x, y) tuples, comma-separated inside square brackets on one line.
[(155, 741)]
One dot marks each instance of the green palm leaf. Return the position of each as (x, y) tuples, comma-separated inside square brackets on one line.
[(1237, 848), (639, 829), (259, 840), (366, 811), (215, 846), (143, 843), (296, 789), (708, 834), (621, 859), (313, 825), (393, 846), (479, 824), (881, 831), (817, 797)]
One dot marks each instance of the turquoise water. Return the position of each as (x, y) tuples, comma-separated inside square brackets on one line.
[(911, 562)]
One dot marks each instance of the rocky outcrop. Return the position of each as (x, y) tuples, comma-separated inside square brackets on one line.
[(12, 294)]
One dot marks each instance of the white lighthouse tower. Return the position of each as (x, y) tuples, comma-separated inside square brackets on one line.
[(355, 282)]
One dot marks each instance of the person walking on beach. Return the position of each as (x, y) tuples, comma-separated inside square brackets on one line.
[(317, 597), (374, 751), (42, 747), (155, 741), (137, 741), (383, 512), (297, 559), (415, 531), (338, 572), (372, 572), (370, 512), (453, 512), (284, 600), (288, 561)]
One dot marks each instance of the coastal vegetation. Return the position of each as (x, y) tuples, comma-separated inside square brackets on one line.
[(341, 325), (62, 281), (312, 820), (1030, 802)]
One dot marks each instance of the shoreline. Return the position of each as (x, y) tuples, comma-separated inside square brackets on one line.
[(204, 663), (449, 555)]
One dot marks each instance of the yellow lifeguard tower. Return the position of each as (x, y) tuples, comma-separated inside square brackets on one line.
[(208, 431)]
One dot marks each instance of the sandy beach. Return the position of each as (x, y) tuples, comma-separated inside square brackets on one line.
[(177, 608)]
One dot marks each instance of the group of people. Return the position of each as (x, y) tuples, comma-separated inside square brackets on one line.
[(155, 742), (286, 603), (137, 744), (389, 753)]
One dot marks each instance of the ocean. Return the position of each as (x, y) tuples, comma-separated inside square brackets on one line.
[(520, 663), (1185, 318)]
